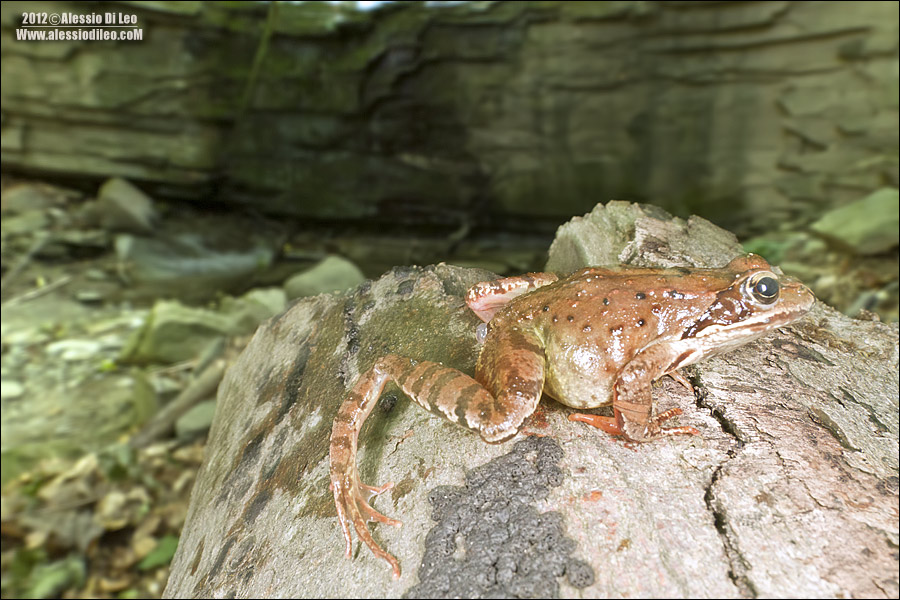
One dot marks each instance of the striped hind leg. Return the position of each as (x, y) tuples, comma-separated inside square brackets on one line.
[(440, 389)]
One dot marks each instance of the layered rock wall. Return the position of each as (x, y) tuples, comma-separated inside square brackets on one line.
[(745, 112)]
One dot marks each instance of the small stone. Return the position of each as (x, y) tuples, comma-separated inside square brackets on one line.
[(28, 222), (118, 509), (273, 299), (254, 307), (89, 297), (11, 389), (24, 197), (332, 274), (121, 206), (25, 337), (89, 239), (189, 266), (74, 349), (867, 226), (174, 333), (96, 275)]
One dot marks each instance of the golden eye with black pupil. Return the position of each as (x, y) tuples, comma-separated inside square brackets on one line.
[(763, 287)]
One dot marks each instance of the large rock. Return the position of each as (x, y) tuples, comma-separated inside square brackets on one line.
[(642, 235), (192, 266), (790, 490)]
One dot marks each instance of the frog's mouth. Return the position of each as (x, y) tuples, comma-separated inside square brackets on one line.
[(753, 326), (718, 338), (726, 336)]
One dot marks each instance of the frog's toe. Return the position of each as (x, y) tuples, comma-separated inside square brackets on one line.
[(374, 491), (682, 380), (668, 414), (685, 430), (362, 530), (607, 424), (345, 527), (366, 508), (374, 515)]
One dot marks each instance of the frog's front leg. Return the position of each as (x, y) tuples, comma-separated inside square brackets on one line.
[(633, 400), (452, 394)]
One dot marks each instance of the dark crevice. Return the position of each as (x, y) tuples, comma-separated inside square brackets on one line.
[(738, 567), (692, 374), (351, 333), (717, 412), (726, 424)]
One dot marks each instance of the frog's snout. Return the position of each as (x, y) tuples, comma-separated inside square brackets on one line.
[(800, 296)]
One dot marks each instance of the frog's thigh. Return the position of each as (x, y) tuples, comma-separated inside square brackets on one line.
[(511, 368), (633, 400), (447, 392)]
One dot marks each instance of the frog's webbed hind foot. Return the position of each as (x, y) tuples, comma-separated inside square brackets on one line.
[(374, 491), (443, 390), (351, 497)]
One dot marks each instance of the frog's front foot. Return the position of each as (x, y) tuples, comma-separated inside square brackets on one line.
[(654, 430), (351, 497)]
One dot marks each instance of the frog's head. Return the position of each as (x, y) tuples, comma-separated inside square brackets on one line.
[(757, 299)]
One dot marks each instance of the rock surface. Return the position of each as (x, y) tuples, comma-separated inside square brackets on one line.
[(639, 235), (790, 490)]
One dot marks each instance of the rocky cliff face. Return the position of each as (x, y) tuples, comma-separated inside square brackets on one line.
[(746, 112)]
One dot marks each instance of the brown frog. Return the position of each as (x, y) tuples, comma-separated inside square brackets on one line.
[(598, 336)]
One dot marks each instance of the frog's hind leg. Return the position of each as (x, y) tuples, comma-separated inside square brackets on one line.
[(440, 389), (351, 496), (511, 366)]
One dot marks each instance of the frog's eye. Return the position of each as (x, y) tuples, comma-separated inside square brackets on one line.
[(763, 287)]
